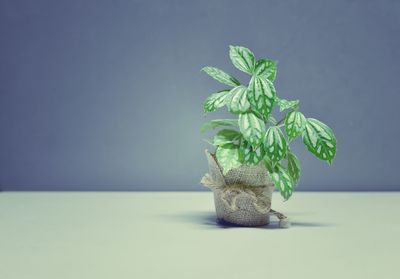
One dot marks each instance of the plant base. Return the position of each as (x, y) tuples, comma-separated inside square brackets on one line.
[(244, 212), (243, 195)]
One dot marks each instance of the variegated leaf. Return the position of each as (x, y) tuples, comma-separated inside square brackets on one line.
[(228, 157), (293, 167), (218, 122), (275, 144), (215, 101), (242, 58), (295, 122), (249, 155), (226, 136), (221, 76), (282, 181), (261, 96), (252, 128), (237, 101), (272, 86), (266, 67), (287, 104), (319, 140), (268, 164)]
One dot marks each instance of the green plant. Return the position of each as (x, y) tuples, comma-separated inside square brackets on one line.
[(256, 136)]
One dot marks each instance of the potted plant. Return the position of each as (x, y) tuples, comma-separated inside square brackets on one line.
[(253, 154)]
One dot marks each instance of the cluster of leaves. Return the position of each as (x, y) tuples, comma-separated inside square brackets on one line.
[(256, 137)]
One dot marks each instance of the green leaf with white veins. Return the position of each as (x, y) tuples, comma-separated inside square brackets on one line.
[(226, 136), (286, 104), (295, 122), (237, 101), (275, 144), (242, 58), (218, 122), (293, 167), (272, 86), (221, 76), (228, 157), (319, 140), (249, 155), (266, 67), (215, 101), (261, 95), (252, 128), (282, 181)]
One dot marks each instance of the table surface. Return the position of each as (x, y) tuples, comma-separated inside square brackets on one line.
[(175, 235)]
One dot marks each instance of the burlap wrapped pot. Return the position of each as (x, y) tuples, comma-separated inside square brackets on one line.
[(243, 195)]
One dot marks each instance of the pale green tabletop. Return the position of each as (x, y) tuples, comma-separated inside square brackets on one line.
[(174, 235)]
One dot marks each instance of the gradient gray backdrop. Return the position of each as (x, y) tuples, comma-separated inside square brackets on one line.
[(107, 95)]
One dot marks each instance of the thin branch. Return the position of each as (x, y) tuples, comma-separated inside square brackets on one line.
[(280, 121)]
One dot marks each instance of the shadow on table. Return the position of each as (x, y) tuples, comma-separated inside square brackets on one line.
[(209, 220)]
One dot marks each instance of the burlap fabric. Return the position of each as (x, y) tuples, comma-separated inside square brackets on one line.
[(243, 195)]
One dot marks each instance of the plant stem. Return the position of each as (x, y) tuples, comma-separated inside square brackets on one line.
[(280, 121)]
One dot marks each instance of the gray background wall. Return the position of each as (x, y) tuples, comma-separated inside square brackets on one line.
[(107, 95)]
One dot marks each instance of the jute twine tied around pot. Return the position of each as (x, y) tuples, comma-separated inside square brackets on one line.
[(243, 195)]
